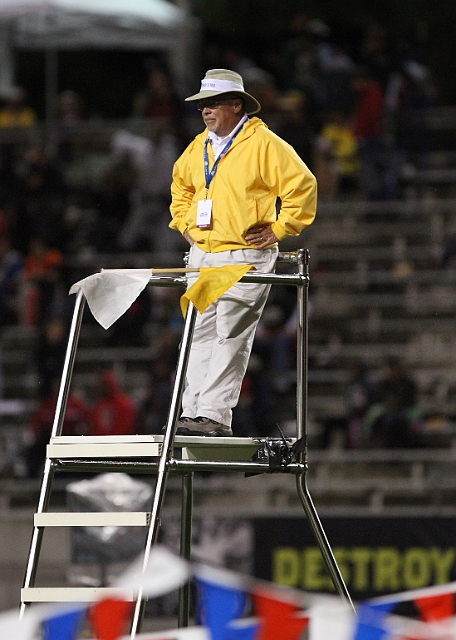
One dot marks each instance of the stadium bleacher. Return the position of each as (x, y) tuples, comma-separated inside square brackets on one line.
[(378, 288)]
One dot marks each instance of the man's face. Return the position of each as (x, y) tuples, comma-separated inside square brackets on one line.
[(221, 115)]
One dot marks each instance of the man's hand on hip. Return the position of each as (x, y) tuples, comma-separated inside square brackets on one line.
[(261, 236), (189, 238)]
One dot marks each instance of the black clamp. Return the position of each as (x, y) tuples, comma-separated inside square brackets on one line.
[(277, 453)]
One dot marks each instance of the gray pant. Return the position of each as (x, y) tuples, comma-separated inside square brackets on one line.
[(223, 336)]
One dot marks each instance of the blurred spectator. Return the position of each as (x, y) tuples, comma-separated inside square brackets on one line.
[(359, 395), (9, 179), (146, 225), (158, 100), (69, 118), (44, 192), (75, 423), (42, 276), (409, 96), (76, 231), (113, 412), (316, 66), (275, 339), (368, 129), (300, 57), (255, 415), (168, 316), (336, 157), (70, 108), (446, 252), (11, 265), (212, 55), (237, 61), (113, 201), (15, 112), (50, 353), (389, 422), (296, 127), (263, 86), (333, 86), (414, 41), (153, 407), (376, 54)]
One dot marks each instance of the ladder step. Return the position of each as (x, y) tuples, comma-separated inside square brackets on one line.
[(74, 594), (93, 519), (83, 449), (220, 449), (144, 446)]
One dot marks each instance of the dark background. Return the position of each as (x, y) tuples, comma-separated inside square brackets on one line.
[(108, 79), (259, 24)]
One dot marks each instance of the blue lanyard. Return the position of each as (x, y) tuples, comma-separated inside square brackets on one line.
[(210, 174)]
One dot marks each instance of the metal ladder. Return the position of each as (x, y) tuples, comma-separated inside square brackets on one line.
[(132, 454)]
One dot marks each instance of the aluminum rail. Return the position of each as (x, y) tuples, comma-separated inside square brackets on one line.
[(62, 398), (176, 466), (296, 280), (165, 458)]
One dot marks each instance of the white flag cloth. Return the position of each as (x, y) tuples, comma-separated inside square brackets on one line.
[(11, 626), (164, 572), (330, 617), (111, 292)]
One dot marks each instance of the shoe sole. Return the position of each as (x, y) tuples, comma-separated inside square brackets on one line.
[(183, 431)]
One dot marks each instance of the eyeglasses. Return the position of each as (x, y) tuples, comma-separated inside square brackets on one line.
[(212, 104)]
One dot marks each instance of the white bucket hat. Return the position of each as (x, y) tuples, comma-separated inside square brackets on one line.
[(219, 81)]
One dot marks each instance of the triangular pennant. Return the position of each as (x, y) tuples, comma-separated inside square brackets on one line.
[(211, 284), (370, 621), (64, 626), (108, 618), (280, 619), (218, 606), (246, 631), (415, 594), (435, 607)]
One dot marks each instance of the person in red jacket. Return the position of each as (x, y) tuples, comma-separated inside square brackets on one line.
[(75, 423), (114, 412), (368, 129)]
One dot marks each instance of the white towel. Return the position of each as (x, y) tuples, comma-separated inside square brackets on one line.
[(112, 291)]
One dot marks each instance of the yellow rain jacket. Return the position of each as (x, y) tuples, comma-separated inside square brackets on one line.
[(258, 168)]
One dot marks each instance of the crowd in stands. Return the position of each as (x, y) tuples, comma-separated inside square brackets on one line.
[(356, 117), (378, 413), (112, 412)]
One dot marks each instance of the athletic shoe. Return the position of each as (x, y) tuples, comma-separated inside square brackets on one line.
[(180, 423), (183, 421), (201, 426)]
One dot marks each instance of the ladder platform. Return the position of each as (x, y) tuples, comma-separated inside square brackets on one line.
[(74, 594), (92, 519), (145, 446)]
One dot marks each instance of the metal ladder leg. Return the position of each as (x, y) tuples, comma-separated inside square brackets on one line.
[(186, 545), (321, 539), (301, 427), (165, 457), (48, 474)]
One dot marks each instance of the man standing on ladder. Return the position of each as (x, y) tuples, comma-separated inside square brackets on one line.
[(224, 194)]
